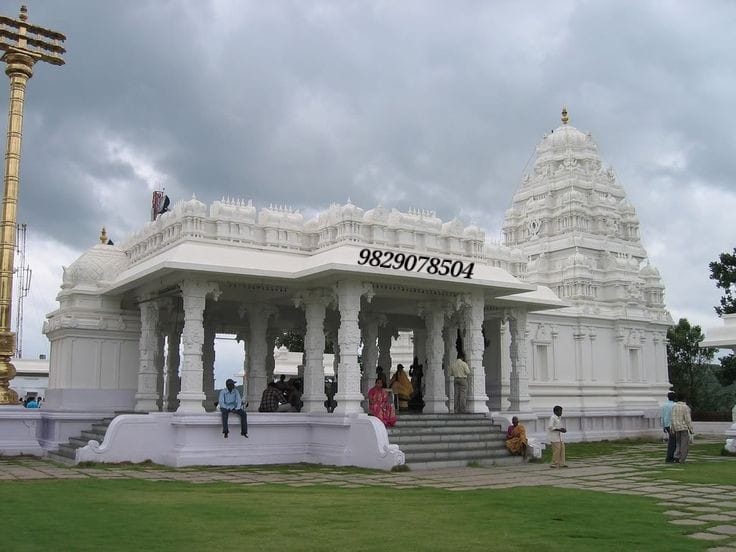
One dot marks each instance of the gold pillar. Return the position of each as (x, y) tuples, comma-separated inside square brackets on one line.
[(24, 44), (19, 69)]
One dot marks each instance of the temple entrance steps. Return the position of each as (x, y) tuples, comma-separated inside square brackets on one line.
[(67, 453), (450, 440)]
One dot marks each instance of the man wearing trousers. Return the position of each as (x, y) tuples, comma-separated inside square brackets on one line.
[(460, 371), (666, 427), (682, 425)]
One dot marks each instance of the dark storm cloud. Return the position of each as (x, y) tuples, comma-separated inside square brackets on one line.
[(433, 105)]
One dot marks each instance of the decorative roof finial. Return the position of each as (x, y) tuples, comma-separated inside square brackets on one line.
[(103, 236), (565, 118), (23, 13)]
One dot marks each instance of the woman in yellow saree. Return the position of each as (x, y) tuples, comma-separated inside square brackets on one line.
[(400, 384), (516, 438)]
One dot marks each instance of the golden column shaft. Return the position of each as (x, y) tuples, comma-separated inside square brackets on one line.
[(24, 44), (19, 69)]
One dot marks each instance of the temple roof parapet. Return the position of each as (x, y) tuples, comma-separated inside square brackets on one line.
[(239, 223), (237, 220)]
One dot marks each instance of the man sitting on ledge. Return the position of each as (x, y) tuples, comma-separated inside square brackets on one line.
[(230, 401), (271, 398)]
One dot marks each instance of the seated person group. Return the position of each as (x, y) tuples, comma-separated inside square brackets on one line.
[(282, 396)]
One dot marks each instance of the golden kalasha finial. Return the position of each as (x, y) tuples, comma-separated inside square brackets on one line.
[(103, 236), (565, 118), (23, 13)]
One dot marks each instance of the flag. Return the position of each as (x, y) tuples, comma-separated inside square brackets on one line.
[(159, 204)]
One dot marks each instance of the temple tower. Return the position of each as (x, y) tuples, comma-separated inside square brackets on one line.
[(579, 233)]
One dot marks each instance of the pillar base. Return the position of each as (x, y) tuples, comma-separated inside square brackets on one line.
[(476, 407), (432, 406), (349, 404), (8, 397)]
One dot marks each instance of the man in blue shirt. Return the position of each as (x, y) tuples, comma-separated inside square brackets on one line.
[(230, 401), (666, 423), (31, 403)]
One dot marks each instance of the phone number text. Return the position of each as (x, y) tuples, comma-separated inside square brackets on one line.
[(415, 263)]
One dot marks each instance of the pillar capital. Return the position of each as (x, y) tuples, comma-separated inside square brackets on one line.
[(323, 296), (200, 289)]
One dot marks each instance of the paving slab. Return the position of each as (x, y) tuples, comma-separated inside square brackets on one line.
[(715, 517), (724, 529), (687, 522), (707, 536)]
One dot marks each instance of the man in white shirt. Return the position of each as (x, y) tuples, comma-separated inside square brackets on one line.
[(682, 426), (460, 371), (555, 430), (231, 401)]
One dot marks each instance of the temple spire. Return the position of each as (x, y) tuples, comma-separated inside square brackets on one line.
[(565, 118)]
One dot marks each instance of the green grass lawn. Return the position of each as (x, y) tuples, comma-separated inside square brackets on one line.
[(130, 514), (154, 515), (578, 451), (716, 473)]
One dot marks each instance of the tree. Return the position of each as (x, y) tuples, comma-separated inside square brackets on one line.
[(294, 342), (723, 272), (686, 361), (726, 374)]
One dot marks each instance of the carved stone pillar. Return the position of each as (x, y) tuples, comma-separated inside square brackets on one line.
[(194, 294), (348, 395), (158, 362), (474, 347), (420, 345), (505, 339), (492, 363), (208, 365), (315, 304), (450, 356), (242, 333), (146, 397), (271, 336), (257, 351), (369, 327), (519, 400), (173, 381), (385, 337), (435, 397)]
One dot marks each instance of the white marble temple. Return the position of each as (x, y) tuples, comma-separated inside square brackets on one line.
[(567, 310)]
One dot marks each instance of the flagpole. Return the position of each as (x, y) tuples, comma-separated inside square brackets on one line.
[(24, 44)]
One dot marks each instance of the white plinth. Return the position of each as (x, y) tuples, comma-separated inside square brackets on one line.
[(19, 429), (177, 439)]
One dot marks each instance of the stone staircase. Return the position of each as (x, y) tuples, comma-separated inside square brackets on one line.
[(66, 453), (450, 440)]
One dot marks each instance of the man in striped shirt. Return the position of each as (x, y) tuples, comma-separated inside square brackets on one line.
[(682, 425)]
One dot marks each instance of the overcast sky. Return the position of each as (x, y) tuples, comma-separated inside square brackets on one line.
[(432, 105)]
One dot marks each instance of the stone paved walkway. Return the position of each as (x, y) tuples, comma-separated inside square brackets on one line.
[(709, 511)]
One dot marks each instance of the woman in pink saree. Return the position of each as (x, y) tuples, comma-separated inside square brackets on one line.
[(380, 405)]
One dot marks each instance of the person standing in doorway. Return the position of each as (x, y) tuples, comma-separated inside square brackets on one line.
[(556, 430), (666, 427), (460, 370), (231, 401), (682, 425)]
